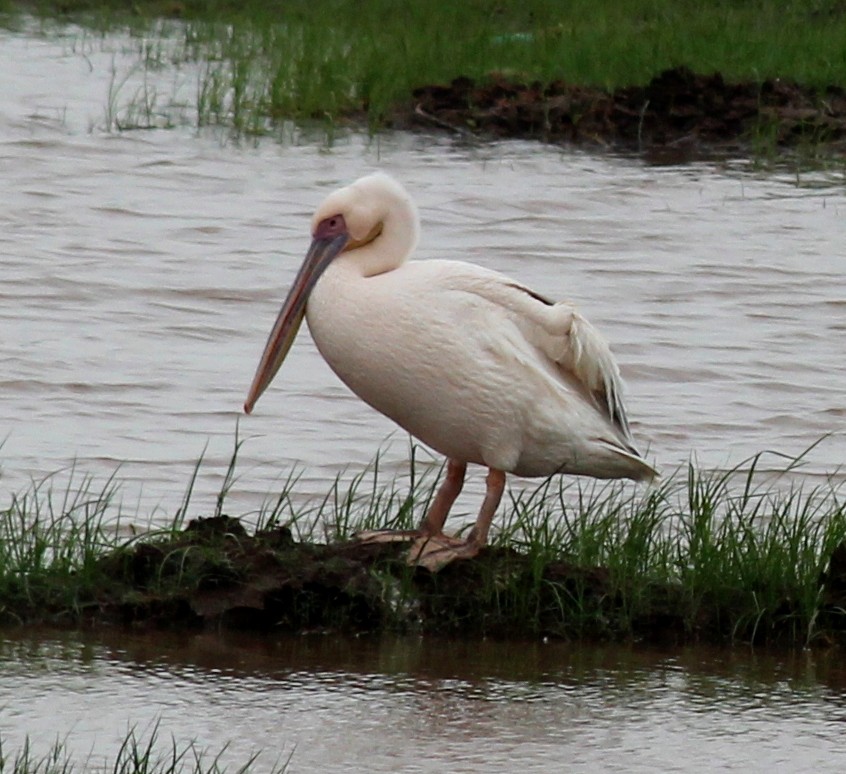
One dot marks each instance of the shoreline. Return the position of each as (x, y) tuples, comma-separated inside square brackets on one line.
[(678, 116), (691, 95), (213, 575)]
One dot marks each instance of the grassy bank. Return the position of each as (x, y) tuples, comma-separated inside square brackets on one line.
[(264, 63), (388, 48), (703, 556)]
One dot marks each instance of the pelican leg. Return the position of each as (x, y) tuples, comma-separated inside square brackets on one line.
[(433, 555), (495, 487), (435, 519), (432, 526)]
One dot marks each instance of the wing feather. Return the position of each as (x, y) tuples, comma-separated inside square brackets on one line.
[(568, 340), (569, 347), (595, 367)]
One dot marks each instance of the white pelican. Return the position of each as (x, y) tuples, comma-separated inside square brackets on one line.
[(473, 364)]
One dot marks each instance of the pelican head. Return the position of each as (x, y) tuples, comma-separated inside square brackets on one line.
[(374, 221)]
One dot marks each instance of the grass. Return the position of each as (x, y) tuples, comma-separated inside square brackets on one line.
[(264, 63), (755, 551), (49, 544), (139, 753), (729, 556), (54, 535)]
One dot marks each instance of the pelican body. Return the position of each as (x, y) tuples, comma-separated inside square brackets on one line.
[(471, 363)]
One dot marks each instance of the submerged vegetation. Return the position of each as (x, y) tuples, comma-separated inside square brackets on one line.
[(139, 753), (578, 71), (725, 557)]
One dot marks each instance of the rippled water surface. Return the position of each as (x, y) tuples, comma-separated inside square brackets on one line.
[(142, 271), (428, 705)]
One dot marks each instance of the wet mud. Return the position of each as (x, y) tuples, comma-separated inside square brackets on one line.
[(679, 114), (215, 575)]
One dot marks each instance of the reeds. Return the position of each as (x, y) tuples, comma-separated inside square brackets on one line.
[(735, 543)]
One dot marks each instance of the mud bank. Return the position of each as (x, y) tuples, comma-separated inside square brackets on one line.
[(678, 114), (215, 575)]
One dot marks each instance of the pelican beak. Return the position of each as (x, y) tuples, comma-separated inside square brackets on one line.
[(321, 253)]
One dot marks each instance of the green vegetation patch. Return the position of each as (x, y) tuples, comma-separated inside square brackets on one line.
[(264, 64), (701, 557)]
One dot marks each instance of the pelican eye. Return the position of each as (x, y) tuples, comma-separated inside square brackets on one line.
[(329, 228)]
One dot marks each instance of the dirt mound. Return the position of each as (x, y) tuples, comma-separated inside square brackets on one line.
[(214, 574), (678, 109)]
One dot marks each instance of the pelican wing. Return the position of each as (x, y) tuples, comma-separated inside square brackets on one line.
[(559, 332)]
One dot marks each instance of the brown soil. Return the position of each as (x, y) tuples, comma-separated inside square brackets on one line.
[(679, 113), (216, 575)]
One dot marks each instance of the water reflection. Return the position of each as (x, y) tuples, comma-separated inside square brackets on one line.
[(421, 704)]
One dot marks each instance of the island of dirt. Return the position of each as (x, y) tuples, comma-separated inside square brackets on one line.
[(678, 115), (214, 574)]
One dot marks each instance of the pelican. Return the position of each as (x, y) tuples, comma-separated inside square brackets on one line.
[(476, 366)]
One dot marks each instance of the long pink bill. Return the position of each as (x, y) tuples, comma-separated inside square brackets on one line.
[(321, 253)]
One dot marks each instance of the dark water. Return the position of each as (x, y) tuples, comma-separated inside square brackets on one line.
[(335, 704)]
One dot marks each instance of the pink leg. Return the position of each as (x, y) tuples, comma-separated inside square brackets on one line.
[(435, 519), (433, 554), (495, 487)]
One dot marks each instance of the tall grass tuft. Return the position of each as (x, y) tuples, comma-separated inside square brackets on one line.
[(51, 538), (735, 542), (759, 549)]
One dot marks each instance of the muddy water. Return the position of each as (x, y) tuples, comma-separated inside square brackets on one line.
[(142, 271), (428, 705)]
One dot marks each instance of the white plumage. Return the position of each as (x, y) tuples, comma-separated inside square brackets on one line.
[(475, 365)]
